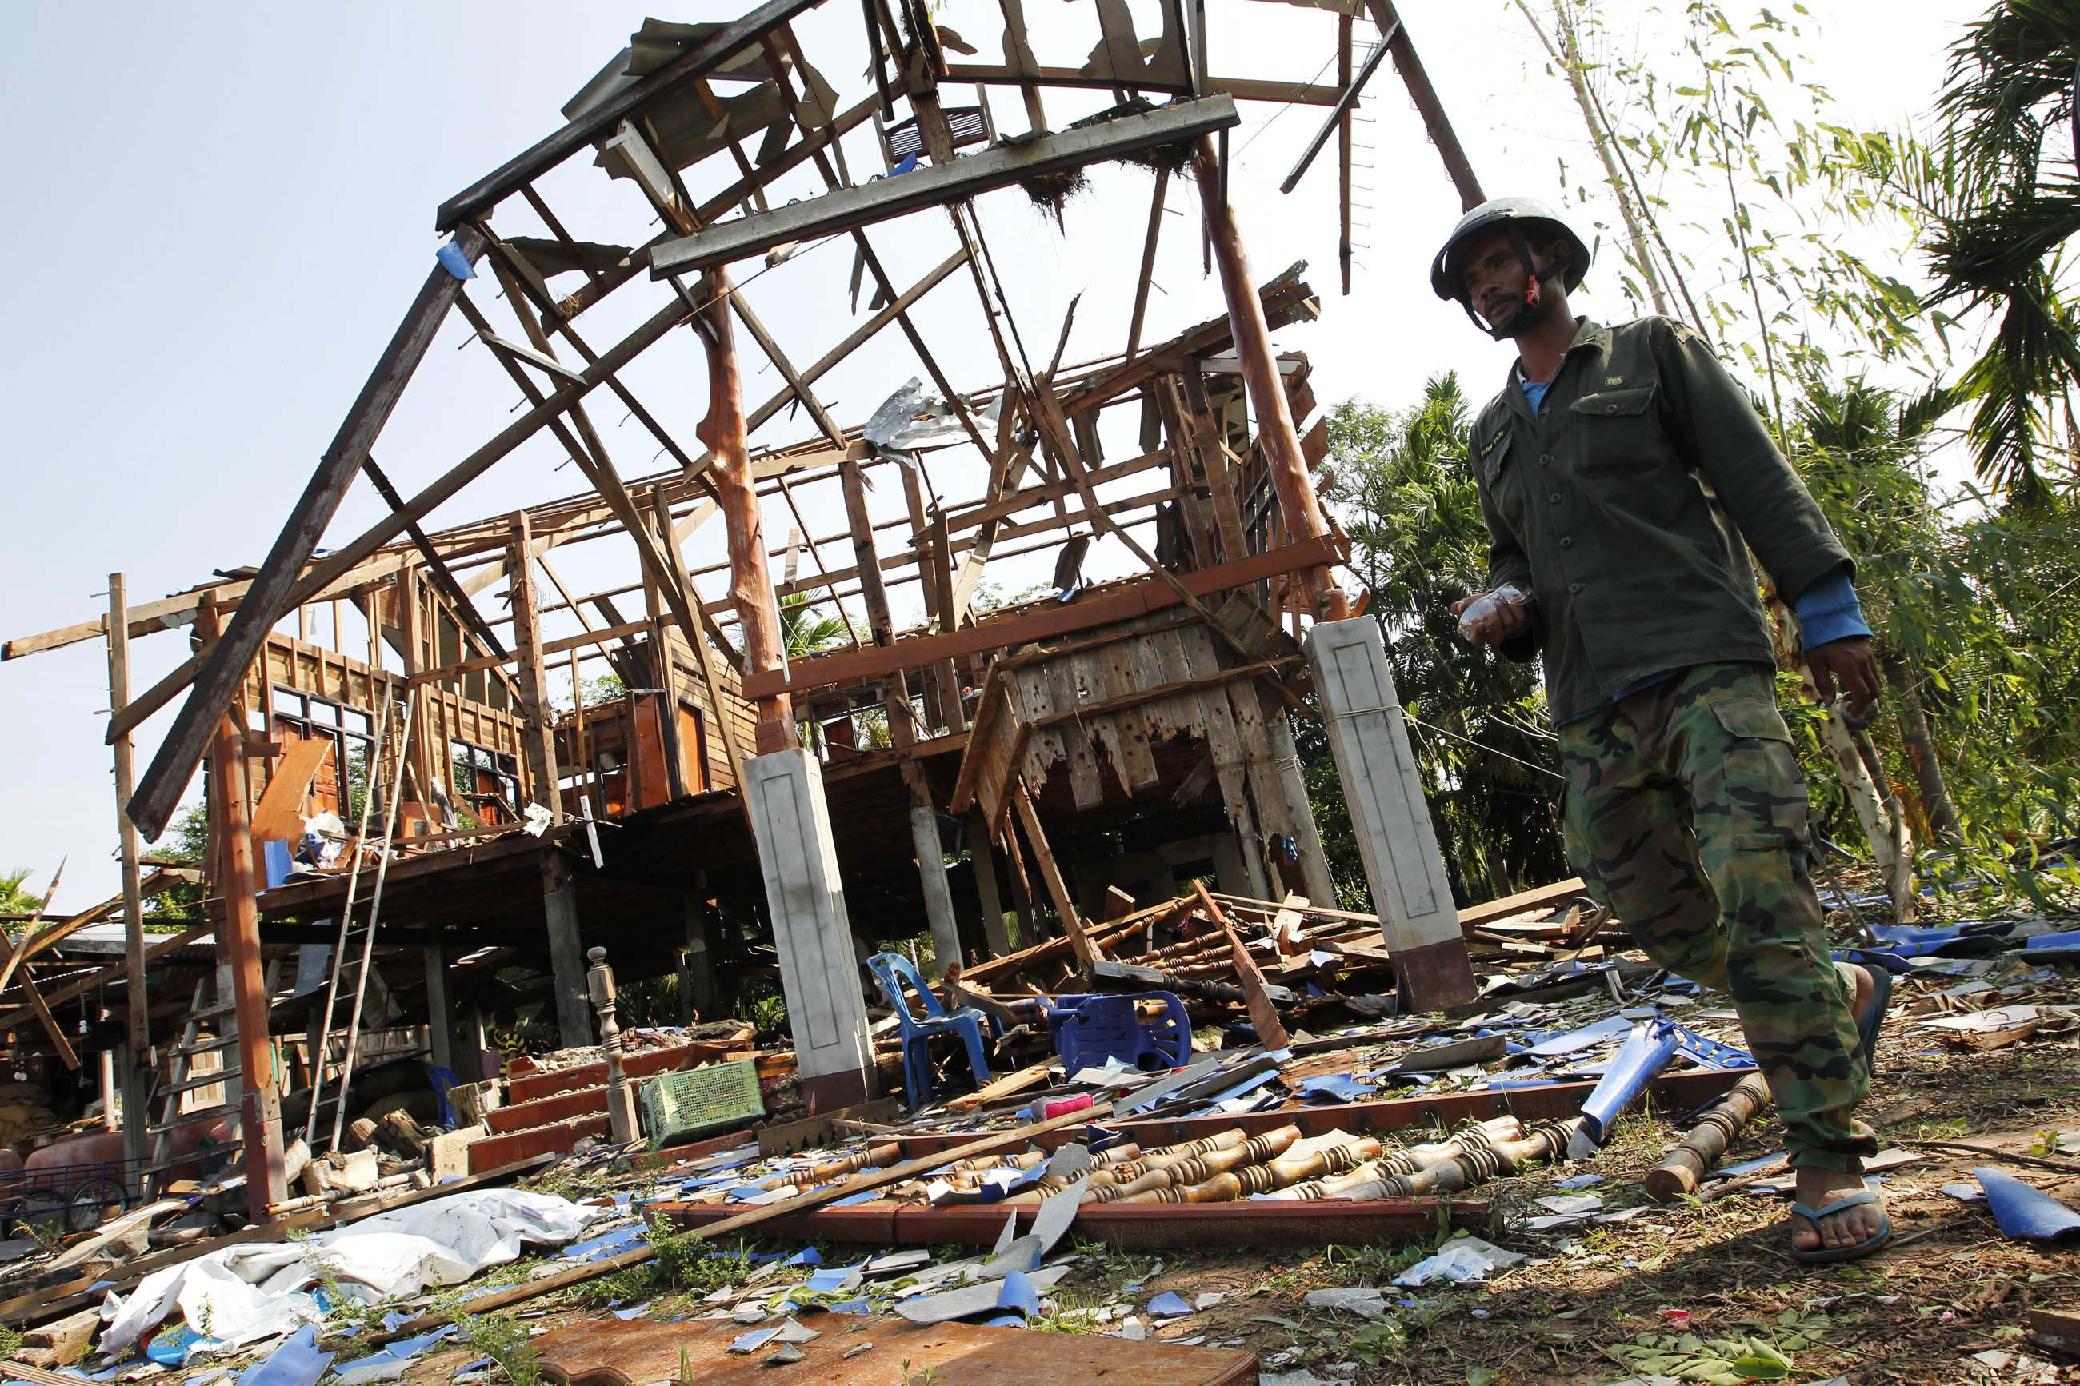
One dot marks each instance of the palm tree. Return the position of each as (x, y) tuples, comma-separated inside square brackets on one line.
[(1998, 224), (802, 631), (15, 896)]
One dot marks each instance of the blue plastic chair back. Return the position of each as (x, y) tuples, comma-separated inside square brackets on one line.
[(892, 970), (442, 1080)]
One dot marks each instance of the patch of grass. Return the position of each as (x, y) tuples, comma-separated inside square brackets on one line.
[(506, 1342), (10, 1340)]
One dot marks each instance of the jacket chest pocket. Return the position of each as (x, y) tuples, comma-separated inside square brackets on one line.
[(1503, 484), (1618, 431)]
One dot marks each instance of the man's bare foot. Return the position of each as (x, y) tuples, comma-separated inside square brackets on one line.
[(1816, 1188)]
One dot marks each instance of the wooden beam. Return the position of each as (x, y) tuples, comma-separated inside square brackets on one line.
[(1051, 874), (751, 585), (136, 1075), (1276, 435), (599, 120), (1413, 76), (275, 588), (1339, 115), (436, 567), (537, 733), (1148, 262), (102, 976), (1120, 603), (998, 167), (1238, 88), (1263, 1016), (260, 1123)]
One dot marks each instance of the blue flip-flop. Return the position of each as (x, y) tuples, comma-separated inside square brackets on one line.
[(1867, 1028), (1855, 1251)]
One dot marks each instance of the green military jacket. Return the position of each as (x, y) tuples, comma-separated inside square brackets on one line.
[(1598, 504)]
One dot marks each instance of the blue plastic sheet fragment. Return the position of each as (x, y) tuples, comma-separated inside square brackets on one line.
[(455, 262), (172, 1347), (1333, 1087), (755, 1339), (296, 1362), (1018, 1295), (2025, 1211), (607, 1244), (807, 1256), (1170, 1305), (834, 1279), (1646, 1052), (392, 1360), (868, 1196), (1574, 1041)]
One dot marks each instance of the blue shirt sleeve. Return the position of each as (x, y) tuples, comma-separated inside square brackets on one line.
[(1828, 611)]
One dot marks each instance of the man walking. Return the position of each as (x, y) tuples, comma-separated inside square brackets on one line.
[(1615, 470)]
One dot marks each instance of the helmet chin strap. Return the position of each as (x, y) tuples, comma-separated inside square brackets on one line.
[(1534, 290)]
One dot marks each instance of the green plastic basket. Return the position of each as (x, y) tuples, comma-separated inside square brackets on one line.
[(679, 1106)]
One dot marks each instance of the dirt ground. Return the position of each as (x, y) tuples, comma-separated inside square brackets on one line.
[(1702, 1288)]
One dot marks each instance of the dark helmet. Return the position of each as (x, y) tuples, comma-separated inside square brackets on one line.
[(1525, 214)]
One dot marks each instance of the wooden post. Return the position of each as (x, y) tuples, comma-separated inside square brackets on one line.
[(1275, 432), (538, 736), (1051, 874), (137, 1056), (260, 1115), (750, 584)]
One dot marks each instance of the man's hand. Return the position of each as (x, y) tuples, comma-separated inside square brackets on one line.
[(1502, 615), (1847, 665)]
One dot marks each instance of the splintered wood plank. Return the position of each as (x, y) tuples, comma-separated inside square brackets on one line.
[(609, 1352), (279, 814)]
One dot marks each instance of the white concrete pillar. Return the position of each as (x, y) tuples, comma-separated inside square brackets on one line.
[(1403, 865), (984, 862), (938, 896), (440, 1024), (790, 822)]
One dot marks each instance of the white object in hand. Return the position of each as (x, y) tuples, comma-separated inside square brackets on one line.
[(1486, 606)]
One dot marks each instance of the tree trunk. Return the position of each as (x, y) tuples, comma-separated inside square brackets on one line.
[(1920, 742)]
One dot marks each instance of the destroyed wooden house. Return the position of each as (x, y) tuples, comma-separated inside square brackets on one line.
[(426, 800)]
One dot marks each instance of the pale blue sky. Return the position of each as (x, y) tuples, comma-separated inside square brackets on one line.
[(220, 212)]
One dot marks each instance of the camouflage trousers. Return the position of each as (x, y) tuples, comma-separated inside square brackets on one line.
[(1686, 816)]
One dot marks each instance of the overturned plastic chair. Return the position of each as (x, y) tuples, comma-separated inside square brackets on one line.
[(892, 971), (1089, 1029)]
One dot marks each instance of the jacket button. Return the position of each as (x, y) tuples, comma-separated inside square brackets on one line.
[(1553, 496), (1546, 460), (1567, 542), (1574, 587)]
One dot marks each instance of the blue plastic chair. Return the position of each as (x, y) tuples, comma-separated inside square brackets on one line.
[(1088, 1029), (892, 970)]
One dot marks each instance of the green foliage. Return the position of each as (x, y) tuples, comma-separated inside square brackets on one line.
[(1996, 227), (15, 895), (1971, 610), (506, 1342), (1408, 499), (803, 632), (1761, 201)]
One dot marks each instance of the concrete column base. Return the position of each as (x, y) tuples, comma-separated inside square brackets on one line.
[(790, 820), (1403, 866)]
